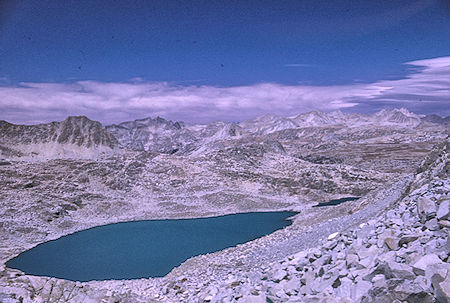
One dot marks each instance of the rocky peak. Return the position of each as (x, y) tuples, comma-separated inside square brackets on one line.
[(53, 139), (434, 119), (400, 116), (82, 131), (313, 118), (148, 123), (227, 131), (267, 124), (151, 134)]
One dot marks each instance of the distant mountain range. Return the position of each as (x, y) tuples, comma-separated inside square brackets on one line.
[(82, 137)]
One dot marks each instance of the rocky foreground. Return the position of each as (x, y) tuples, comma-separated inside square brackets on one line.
[(402, 255), (389, 246)]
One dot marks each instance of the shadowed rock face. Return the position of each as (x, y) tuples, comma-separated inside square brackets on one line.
[(436, 119), (155, 135), (75, 131), (84, 132), (78, 130)]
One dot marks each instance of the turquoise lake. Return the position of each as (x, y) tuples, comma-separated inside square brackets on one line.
[(142, 249)]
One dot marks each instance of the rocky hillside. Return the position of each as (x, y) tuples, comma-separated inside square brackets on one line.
[(74, 137), (402, 255)]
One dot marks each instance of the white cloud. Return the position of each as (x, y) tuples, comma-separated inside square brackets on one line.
[(425, 90)]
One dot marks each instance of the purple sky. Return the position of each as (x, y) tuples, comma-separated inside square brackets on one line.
[(201, 60), (426, 90)]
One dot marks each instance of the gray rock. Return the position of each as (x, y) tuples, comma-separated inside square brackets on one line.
[(319, 285), (292, 286), (379, 281), (402, 271), (423, 282), (352, 260), (426, 209), (444, 223), (407, 239), (432, 224), (420, 266), (441, 287), (360, 290), (366, 262), (443, 210), (370, 252), (253, 299), (412, 293), (330, 244), (391, 243), (279, 275), (436, 269), (345, 288), (380, 269)]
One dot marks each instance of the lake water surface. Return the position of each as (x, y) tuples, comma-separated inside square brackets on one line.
[(141, 249)]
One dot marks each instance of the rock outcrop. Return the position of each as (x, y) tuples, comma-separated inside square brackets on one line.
[(76, 137), (153, 135)]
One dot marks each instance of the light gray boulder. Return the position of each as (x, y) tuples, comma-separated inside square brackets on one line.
[(412, 293), (345, 288), (402, 271), (360, 290), (432, 224), (421, 265), (426, 209), (441, 286), (331, 244), (381, 269), (440, 269), (444, 223), (352, 260), (279, 275), (391, 243), (443, 212), (253, 299), (319, 285), (292, 286)]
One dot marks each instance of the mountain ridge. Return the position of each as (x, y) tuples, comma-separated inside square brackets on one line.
[(78, 135)]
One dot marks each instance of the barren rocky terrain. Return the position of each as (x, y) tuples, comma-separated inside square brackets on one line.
[(391, 244)]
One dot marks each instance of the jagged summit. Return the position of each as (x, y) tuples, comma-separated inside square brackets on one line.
[(400, 116), (76, 136), (155, 123), (224, 131), (151, 134), (268, 124), (314, 118), (82, 131)]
